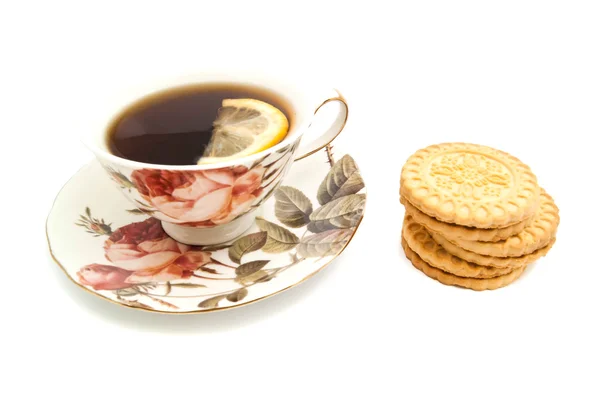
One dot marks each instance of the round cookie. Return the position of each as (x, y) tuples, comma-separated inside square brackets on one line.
[(454, 231), (494, 261), (470, 185), (477, 284), (419, 240), (537, 235)]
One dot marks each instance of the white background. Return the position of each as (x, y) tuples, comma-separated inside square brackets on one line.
[(523, 76)]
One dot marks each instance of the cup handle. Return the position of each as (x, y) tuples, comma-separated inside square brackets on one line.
[(312, 141)]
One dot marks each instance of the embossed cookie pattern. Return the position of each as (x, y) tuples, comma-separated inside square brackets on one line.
[(470, 175), (470, 185), (475, 216)]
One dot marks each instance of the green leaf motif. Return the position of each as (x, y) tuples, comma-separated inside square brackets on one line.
[(256, 277), (145, 205), (138, 211), (212, 302), (238, 295), (127, 292), (270, 175), (248, 243), (164, 303), (250, 268), (188, 285), (214, 248), (283, 150), (342, 180), (259, 161), (137, 304), (279, 239), (292, 207), (326, 243), (208, 270), (344, 212)]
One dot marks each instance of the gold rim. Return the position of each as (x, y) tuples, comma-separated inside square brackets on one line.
[(339, 98), (186, 312)]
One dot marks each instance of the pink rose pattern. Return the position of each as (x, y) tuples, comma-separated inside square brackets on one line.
[(200, 198), (103, 277), (144, 256), (142, 253)]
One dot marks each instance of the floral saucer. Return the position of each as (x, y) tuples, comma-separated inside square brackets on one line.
[(123, 255)]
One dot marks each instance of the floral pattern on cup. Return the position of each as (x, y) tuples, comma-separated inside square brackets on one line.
[(148, 267), (203, 198)]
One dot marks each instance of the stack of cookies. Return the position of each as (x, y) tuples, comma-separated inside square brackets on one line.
[(475, 216)]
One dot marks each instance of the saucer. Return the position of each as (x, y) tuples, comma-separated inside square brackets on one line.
[(118, 252)]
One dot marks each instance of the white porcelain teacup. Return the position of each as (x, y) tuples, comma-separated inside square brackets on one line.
[(215, 203)]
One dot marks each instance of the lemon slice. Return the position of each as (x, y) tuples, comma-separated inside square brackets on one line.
[(244, 127)]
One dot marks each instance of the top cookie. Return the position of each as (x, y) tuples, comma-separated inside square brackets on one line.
[(470, 185)]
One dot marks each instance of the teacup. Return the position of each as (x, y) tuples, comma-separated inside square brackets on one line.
[(215, 203)]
